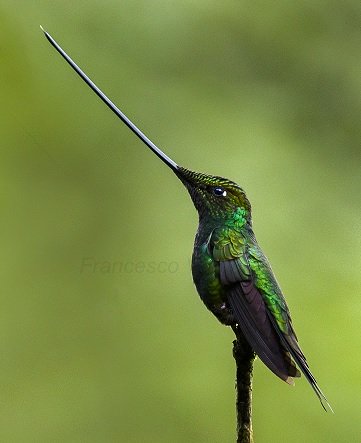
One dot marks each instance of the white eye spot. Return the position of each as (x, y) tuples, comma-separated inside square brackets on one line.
[(224, 193)]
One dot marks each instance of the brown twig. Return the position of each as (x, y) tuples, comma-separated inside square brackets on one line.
[(244, 356)]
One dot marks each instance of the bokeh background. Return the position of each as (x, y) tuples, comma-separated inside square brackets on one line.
[(102, 335)]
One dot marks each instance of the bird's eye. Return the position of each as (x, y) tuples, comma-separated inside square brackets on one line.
[(219, 192)]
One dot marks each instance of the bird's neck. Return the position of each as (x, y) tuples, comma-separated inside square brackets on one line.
[(235, 220), (238, 221)]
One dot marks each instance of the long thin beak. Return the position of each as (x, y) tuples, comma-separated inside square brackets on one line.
[(168, 161)]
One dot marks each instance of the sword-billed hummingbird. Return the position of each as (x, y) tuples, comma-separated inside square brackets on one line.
[(232, 275)]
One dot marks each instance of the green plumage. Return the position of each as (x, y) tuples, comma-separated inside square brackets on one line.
[(235, 280), (232, 275)]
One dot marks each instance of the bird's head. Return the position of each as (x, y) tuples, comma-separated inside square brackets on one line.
[(215, 197)]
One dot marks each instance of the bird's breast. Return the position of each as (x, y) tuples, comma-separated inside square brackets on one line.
[(206, 278)]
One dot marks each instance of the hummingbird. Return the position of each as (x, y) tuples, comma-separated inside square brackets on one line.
[(233, 277)]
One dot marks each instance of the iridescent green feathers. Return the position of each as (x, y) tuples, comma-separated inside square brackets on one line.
[(232, 276), (235, 279), (201, 188), (253, 296)]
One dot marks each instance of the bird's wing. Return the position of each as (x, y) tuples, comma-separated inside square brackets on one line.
[(258, 305), (250, 306)]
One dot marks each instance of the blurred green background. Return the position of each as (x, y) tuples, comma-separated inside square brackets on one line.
[(102, 335)]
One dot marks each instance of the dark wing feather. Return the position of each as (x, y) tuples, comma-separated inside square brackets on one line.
[(247, 303), (252, 317), (289, 342), (229, 273), (258, 305)]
